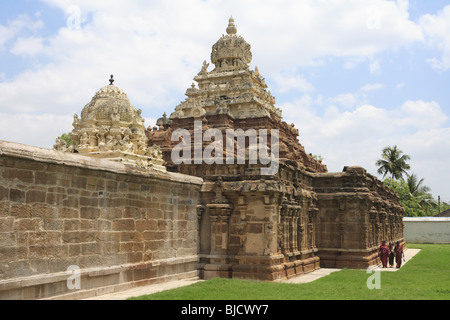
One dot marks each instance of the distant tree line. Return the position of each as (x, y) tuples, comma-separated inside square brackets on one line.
[(414, 195)]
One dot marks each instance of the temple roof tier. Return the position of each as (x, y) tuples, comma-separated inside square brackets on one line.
[(231, 87)]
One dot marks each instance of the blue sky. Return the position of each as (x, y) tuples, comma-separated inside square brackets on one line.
[(354, 76)]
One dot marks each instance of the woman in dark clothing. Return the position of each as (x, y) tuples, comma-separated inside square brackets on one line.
[(391, 256), (399, 254)]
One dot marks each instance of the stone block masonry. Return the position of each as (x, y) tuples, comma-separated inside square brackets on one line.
[(120, 225), (124, 223), (260, 226), (356, 213)]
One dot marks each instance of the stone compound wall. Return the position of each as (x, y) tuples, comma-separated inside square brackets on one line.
[(427, 230), (121, 226)]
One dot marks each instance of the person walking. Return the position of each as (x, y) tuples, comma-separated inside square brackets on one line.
[(384, 254), (399, 254), (391, 256)]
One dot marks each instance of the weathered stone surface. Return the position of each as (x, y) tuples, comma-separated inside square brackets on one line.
[(46, 227), (124, 223), (111, 128), (356, 213), (287, 220)]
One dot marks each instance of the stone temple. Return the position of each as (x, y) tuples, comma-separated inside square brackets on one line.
[(119, 207)]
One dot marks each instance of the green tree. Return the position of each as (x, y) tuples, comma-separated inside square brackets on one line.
[(420, 193), (416, 186), (66, 137), (401, 187), (414, 196), (393, 162)]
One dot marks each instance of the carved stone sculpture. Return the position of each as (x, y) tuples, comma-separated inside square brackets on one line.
[(112, 128), (231, 88), (279, 225)]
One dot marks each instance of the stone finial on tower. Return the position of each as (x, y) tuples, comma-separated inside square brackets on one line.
[(231, 50), (111, 80), (231, 27)]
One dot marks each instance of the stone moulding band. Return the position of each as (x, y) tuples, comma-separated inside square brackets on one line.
[(43, 279), (262, 258)]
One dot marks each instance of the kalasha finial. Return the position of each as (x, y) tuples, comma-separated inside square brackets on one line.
[(231, 27), (111, 81)]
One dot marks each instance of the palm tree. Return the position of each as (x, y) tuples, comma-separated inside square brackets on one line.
[(416, 186), (393, 162), (420, 193)]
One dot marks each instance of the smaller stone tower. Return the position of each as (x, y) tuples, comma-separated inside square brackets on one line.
[(112, 128)]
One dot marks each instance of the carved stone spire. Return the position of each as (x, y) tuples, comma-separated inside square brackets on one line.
[(231, 27), (112, 128), (231, 88), (231, 51)]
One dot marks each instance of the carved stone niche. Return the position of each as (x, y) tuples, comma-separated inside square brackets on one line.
[(220, 210), (373, 214), (289, 218), (218, 264)]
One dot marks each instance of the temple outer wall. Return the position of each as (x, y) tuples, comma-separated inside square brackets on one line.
[(121, 226), (427, 230), (356, 213)]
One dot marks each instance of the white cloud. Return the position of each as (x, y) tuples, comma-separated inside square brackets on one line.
[(357, 99), (37, 130), (422, 115), (429, 150), (356, 137), (285, 83), (155, 48), (346, 100), (28, 46), (373, 87), (352, 63), (374, 67), (303, 31), (16, 26), (437, 29)]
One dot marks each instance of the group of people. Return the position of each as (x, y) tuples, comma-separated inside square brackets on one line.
[(387, 254)]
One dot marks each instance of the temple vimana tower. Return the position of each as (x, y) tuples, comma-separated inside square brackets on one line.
[(220, 187), (268, 227)]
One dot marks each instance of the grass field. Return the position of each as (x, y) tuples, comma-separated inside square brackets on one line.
[(425, 277)]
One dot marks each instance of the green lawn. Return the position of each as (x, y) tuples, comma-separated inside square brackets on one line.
[(425, 277)]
